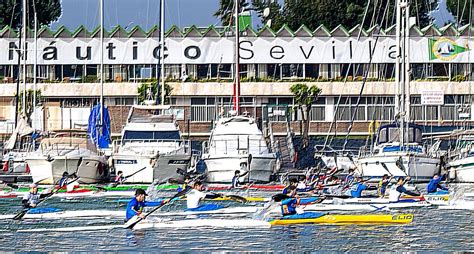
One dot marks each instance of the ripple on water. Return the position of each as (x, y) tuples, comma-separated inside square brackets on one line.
[(432, 230)]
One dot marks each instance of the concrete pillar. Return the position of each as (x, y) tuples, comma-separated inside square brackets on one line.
[(251, 71), (335, 70), (262, 71), (323, 71), (329, 109)]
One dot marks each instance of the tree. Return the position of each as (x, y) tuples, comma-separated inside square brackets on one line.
[(147, 91), (330, 13), (11, 12), (29, 102), (462, 10), (304, 98), (226, 10)]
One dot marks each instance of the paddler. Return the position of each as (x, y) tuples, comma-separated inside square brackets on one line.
[(292, 182), (289, 205), (349, 179), (119, 178), (236, 179), (194, 197), (63, 181), (136, 205), (31, 199), (434, 184), (382, 186), (397, 190), (357, 187), (186, 185)]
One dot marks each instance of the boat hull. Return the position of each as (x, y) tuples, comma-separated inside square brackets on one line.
[(349, 219), (162, 168), (222, 169), (463, 170), (419, 168), (91, 169)]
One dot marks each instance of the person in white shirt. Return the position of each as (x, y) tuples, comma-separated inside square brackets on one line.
[(194, 197)]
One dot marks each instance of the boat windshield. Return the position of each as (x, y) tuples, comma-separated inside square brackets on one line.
[(132, 135)]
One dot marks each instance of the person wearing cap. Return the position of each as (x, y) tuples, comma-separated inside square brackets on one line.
[(136, 205), (382, 186), (289, 204), (194, 197), (434, 184), (32, 198), (237, 176), (398, 189)]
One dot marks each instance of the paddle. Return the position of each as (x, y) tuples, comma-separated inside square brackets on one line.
[(125, 177), (21, 214), (135, 220), (231, 197)]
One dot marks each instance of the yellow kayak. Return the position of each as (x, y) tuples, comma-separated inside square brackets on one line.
[(350, 219)]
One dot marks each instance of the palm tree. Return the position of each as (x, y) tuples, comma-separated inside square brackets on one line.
[(304, 98)]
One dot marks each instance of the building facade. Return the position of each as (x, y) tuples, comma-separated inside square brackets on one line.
[(354, 68)]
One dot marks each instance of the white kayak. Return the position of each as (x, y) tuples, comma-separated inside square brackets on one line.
[(193, 223), (363, 207), (111, 213)]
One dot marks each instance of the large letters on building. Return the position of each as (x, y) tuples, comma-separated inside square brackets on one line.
[(220, 50)]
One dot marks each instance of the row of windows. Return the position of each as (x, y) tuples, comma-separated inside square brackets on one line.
[(190, 72)]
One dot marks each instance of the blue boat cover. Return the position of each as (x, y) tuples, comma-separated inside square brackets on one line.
[(306, 215), (99, 134), (43, 210)]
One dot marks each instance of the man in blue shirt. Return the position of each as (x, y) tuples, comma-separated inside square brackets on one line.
[(136, 205), (357, 188), (434, 184)]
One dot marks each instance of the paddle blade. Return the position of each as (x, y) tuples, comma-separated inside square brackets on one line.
[(237, 198), (132, 222), (175, 181), (20, 215)]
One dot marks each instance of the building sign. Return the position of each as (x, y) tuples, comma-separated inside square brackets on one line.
[(264, 50), (445, 49), (432, 97)]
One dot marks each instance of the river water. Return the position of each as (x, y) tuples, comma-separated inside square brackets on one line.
[(432, 230)]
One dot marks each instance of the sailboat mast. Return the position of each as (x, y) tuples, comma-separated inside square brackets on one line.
[(35, 65), (162, 50), (407, 69), (25, 25), (101, 61), (237, 59), (399, 102)]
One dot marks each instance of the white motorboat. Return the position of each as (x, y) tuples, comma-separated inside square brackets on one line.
[(67, 153), (394, 159), (461, 164), (151, 139), (236, 143)]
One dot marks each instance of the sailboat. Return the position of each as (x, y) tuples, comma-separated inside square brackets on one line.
[(398, 150), (236, 142), (21, 142)]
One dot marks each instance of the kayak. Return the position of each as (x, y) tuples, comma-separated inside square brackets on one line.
[(8, 195), (243, 223), (49, 213), (349, 219)]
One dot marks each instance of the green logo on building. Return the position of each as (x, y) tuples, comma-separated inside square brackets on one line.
[(444, 49)]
